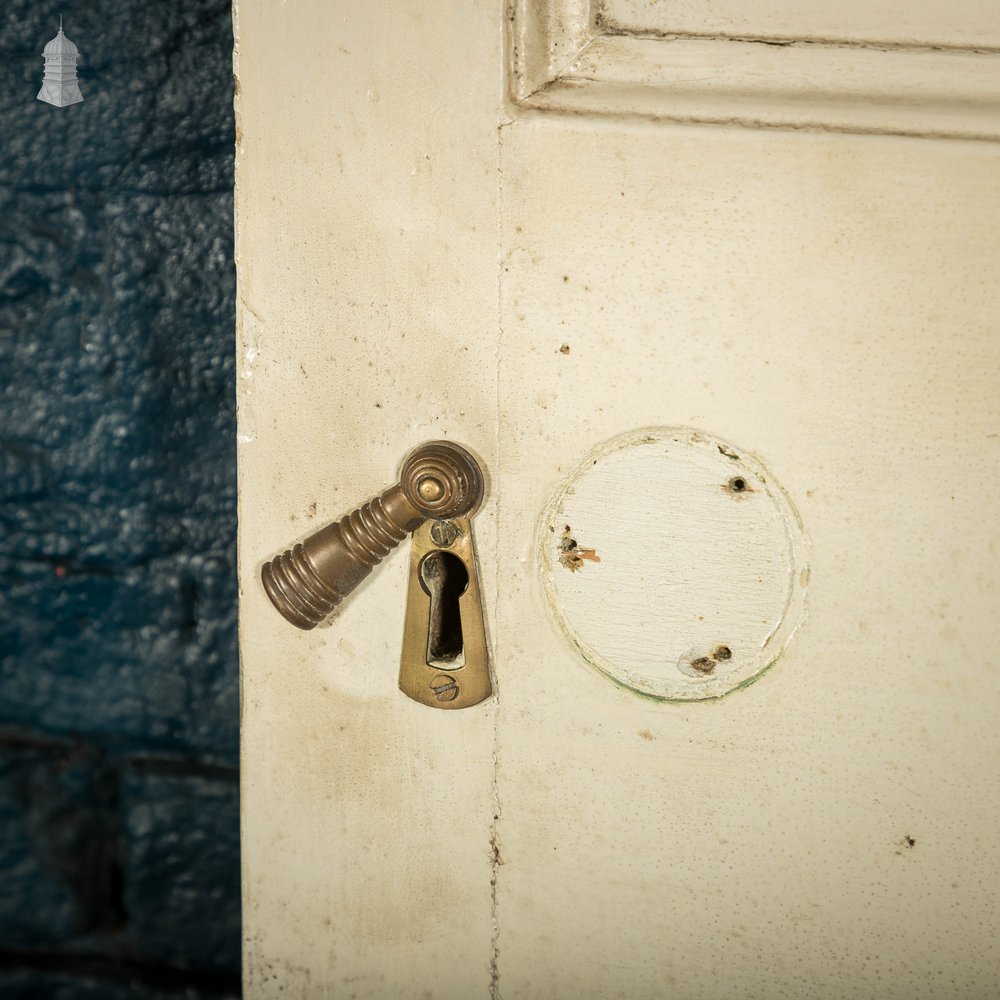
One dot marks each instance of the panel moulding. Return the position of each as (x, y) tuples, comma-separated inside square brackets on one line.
[(564, 60)]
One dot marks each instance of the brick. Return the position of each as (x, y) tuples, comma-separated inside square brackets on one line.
[(58, 845), (143, 657), (182, 869)]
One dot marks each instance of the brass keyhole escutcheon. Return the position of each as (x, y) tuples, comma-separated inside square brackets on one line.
[(444, 662), (440, 487)]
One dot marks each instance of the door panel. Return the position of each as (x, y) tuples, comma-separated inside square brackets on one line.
[(419, 258), (825, 302)]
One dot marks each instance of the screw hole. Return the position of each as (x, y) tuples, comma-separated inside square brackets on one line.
[(704, 665), (722, 653), (737, 484)]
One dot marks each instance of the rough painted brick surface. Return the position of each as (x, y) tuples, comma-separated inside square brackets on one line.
[(118, 653), (92, 983), (181, 863), (58, 845)]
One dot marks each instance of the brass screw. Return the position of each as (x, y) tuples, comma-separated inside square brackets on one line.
[(430, 489), (444, 533), (445, 687)]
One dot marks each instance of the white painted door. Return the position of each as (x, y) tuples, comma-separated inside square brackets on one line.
[(720, 318)]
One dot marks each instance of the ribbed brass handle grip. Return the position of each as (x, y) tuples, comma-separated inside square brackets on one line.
[(307, 582)]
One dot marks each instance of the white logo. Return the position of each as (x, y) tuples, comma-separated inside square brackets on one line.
[(59, 86)]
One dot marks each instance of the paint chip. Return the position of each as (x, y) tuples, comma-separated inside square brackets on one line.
[(571, 555)]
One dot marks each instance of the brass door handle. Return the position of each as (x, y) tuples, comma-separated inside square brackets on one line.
[(439, 480), (444, 660)]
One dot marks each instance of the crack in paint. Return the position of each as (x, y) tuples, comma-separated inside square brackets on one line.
[(495, 860)]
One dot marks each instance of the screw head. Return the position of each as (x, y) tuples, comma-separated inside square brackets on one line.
[(430, 489), (445, 687), (444, 533)]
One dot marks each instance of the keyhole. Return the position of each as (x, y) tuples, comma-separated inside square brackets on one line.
[(444, 578)]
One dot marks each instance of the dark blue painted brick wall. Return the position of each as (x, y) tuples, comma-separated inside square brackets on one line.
[(118, 664)]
